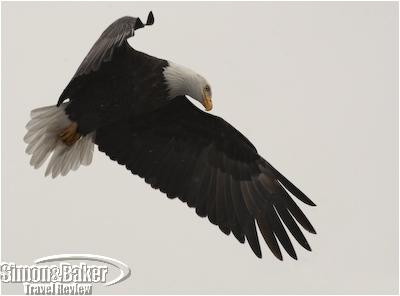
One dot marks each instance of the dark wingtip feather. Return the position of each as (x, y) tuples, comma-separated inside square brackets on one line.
[(239, 237), (150, 19), (311, 203), (290, 186), (278, 255), (305, 245), (225, 229), (312, 230), (252, 239), (138, 24)]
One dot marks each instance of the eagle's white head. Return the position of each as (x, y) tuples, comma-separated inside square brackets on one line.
[(184, 81)]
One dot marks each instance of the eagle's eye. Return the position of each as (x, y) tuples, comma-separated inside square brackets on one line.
[(207, 88)]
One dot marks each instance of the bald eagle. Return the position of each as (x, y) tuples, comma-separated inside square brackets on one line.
[(133, 106)]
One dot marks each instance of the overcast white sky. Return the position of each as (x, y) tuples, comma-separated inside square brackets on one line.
[(312, 85)]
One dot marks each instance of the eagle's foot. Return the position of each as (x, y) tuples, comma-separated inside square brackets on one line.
[(69, 135)]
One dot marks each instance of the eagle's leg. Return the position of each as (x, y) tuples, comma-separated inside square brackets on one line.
[(69, 135)]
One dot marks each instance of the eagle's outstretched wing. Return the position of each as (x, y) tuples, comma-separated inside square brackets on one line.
[(205, 162), (114, 36), (105, 47)]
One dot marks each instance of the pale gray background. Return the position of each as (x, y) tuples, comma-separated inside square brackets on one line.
[(313, 85)]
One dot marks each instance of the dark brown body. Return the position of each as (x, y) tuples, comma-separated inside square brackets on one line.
[(132, 83)]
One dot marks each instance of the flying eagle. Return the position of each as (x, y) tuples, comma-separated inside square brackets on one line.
[(134, 107)]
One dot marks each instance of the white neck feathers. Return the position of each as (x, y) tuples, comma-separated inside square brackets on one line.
[(182, 81)]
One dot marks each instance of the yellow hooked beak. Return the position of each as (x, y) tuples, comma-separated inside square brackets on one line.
[(207, 103)]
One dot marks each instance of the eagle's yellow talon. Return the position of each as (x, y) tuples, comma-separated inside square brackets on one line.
[(70, 135)]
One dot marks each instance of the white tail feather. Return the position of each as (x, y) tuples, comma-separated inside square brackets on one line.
[(43, 142)]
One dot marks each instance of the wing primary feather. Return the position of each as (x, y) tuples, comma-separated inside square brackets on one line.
[(230, 212), (290, 186), (246, 221), (280, 231), (150, 19), (299, 215), (293, 227), (269, 236), (256, 190)]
